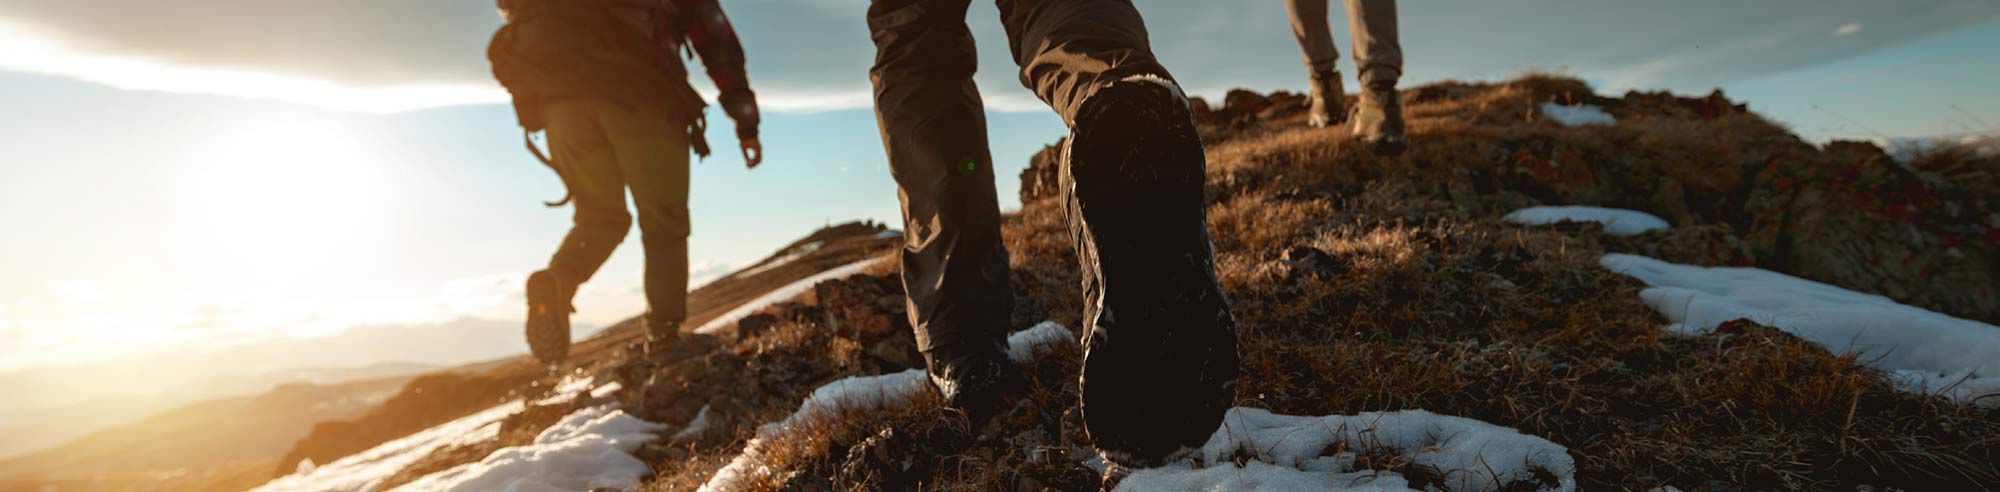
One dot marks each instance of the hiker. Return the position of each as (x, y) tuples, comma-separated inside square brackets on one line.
[(1160, 344), (1378, 62), (606, 80)]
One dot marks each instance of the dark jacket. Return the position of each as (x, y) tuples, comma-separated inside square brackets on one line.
[(627, 50)]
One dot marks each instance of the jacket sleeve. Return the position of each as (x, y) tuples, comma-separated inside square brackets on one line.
[(722, 53)]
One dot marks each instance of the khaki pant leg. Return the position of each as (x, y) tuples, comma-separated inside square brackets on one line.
[(933, 126), (600, 221), (1378, 51), (1315, 35), (652, 154)]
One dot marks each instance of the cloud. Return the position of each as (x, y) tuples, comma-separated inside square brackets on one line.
[(813, 55)]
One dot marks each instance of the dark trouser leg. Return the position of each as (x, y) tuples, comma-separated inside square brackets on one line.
[(600, 220), (653, 157), (588, 161), (1070, 49), (934, 129)]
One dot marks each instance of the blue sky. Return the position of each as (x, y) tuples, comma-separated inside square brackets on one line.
[(183, 175)]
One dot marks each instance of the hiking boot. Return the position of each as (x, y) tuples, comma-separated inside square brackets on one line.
[(1329, 100), (1378, 119), (1159, 365), (661, 337), (549, 296), (974, 382)]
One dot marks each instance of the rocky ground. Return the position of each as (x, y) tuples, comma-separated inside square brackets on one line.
[(1368, 284)]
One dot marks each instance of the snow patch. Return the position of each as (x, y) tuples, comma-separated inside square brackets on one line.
[(588, 449), (366, 470), (1923, 351), (794, 255), (867, 394), (888, 234), (856, 394), (1578, 115), (1317, 453), (1023, 346), (695, 428), (1617, 222), (780, 295)]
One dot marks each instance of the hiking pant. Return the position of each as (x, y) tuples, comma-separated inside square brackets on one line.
[(934, 129), (1378, 54), (606, 147)]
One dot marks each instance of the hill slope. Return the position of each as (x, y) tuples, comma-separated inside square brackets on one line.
[(1368, 289), (1365, 284)]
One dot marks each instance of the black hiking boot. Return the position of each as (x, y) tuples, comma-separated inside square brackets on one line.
[(1160, 358), (549, 307), (1329, 100), (975, 382), (661, 337)]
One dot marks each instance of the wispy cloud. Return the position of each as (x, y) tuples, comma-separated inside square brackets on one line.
[(24, 50), (813, 55)]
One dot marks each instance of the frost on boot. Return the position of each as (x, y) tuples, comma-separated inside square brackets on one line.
[(1378, 119), (973, 381)]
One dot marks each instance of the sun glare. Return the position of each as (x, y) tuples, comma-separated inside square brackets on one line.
[(294, 196)]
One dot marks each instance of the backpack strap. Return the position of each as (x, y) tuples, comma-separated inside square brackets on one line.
[(527, 138)]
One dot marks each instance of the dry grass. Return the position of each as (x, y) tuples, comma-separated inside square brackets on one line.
[(1370, 284)]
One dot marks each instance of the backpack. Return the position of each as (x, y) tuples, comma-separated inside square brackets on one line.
[(619, 49)]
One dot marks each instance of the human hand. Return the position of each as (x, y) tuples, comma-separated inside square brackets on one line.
[(753, 152)]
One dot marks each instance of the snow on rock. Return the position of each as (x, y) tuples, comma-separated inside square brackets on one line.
[(694, 429), (1617, 222), (1023, 346), (1317, 453), (868, 394), (1578, 115), (366, 470), (1923, 351), (889, 234), (588, 449), (780, 295), (794, 255), (856, 394)]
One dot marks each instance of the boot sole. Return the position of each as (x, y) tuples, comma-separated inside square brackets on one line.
[(548, 320), (1160, 355), (1389, 146)]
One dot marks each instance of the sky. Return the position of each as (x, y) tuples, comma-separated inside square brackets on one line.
[(183, 177)]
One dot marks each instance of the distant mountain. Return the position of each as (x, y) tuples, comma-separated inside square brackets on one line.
[(233, 442), (225, 444)]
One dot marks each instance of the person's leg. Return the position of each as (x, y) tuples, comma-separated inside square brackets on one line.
[(1160, 345), (1315, 36), (1378, 54), (599, 223), (933, 128), (653, 156)]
